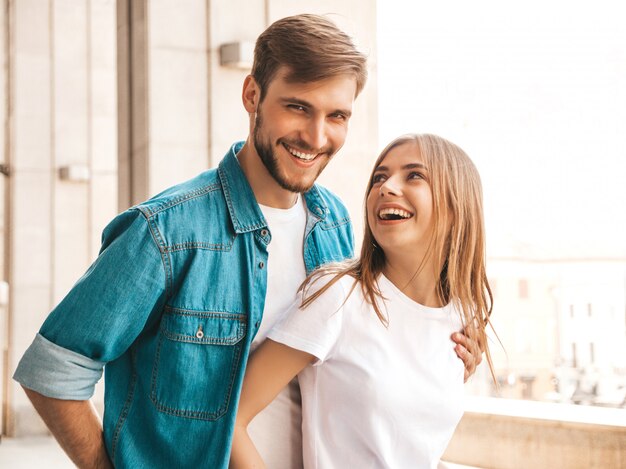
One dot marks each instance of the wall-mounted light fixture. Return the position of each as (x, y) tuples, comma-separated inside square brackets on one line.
[(74, 173), (237, 55)]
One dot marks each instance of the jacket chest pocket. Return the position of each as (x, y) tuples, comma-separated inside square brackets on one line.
[(196, 362)]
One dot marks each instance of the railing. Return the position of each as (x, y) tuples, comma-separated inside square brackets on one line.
[(506, 434)]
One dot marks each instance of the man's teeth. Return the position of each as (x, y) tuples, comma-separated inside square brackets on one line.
[(394, 214), (299, 154)]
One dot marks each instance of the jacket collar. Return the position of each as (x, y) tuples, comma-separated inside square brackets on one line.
[(243, 208)]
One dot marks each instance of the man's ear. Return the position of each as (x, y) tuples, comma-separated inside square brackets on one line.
[(251, 94)]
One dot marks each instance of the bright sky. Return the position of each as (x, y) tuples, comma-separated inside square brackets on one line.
[(535, 92)]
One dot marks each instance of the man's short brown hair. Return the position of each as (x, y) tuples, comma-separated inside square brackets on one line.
[(311, 47)]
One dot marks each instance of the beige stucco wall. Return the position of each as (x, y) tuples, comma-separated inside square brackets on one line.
[(509, 434), (62, 113)]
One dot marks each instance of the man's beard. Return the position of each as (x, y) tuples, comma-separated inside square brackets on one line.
[(266, 153)]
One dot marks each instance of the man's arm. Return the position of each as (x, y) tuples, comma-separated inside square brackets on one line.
[(76, 426), (469, 351)]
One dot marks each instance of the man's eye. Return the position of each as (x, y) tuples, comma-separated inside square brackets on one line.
[(339, 116), (296, 107)]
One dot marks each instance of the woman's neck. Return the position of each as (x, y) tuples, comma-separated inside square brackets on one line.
[(420, 286)]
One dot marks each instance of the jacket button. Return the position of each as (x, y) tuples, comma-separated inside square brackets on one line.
[(264, 233), (261, 264)]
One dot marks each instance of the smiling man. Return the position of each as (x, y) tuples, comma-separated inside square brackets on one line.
[(189, 282)]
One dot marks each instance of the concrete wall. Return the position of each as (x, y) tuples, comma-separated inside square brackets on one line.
[(62, 112), (509, 434), (4, 213)]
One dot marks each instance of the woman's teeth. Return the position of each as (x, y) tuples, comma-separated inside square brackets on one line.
[(394, 214)]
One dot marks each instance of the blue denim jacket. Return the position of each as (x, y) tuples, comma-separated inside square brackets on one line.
[(170, 306)]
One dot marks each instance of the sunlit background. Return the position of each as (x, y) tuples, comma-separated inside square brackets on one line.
[(104, 103), (535, 92)]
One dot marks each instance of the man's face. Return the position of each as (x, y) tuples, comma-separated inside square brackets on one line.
[(299, 126)]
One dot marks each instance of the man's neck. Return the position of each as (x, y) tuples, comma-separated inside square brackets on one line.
[(266, 190)]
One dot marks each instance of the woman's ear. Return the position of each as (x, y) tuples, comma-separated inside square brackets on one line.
[(251, 94)]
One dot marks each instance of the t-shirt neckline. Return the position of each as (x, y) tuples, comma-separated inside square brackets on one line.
[(414, 305)]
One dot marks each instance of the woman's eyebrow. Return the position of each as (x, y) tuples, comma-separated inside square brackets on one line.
[(406, 166)]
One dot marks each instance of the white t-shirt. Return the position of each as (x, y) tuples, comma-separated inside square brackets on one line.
[(277, 430), (376, 397)]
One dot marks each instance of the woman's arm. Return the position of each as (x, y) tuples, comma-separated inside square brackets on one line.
[(270, 368)]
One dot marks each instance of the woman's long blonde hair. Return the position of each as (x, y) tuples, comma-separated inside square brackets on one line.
[(460, 250)]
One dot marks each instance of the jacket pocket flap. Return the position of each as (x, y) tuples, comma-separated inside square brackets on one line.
[(203, 327)]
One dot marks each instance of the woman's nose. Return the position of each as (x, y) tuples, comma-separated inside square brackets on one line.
[(390, 187)]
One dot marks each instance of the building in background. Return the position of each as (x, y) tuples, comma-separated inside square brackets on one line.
[(562, 324)]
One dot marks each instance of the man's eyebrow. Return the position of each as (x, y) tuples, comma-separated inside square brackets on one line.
[(303, 103), (405, 167), (294, 100)]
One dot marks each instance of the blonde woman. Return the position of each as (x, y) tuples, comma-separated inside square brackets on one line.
[(369, 340)]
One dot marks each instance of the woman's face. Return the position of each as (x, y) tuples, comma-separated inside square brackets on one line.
[(400, 202)]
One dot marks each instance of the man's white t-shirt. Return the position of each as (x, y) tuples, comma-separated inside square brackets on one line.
[(377, 397), (277, 430)]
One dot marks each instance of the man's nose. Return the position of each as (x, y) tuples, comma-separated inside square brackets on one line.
[(315, 135)]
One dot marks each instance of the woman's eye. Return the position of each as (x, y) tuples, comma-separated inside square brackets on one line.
[(378, 178), (414, 175)]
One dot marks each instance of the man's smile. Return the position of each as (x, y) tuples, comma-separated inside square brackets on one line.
[(300, 154)]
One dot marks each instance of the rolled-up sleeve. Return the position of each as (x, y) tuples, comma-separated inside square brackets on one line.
[(57, 372), (102, 315)]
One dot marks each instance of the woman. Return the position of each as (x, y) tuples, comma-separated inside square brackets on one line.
[(385, 387)]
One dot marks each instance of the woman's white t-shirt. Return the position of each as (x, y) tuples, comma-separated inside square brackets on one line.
[(377, 397)]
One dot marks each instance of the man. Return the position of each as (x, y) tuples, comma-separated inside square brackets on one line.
[(187, 280)]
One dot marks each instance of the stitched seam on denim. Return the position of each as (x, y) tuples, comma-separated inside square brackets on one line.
[(233, 373), (308, 256), (155, 371), (126, 409), (253, 227), (192, 245), (229, 202), (165, 258), (180, 199), (226, 192), (190, 339), (316, 193), (335, 224), (205, 314), (194, 414)]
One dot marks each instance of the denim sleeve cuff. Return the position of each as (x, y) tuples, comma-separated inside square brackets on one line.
[(57, 372)]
